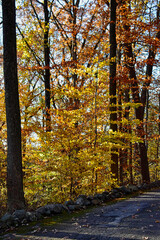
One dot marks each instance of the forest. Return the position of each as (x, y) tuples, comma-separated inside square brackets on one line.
[(79, 98)]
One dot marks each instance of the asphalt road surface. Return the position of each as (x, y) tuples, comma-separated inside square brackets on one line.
[(136, 218)]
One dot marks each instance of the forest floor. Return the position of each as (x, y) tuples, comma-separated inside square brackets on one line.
[(135, 218)]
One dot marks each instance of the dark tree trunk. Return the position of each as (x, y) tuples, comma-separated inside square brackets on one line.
[(112, 88), (47, 67), (15, 192), (120, 129), (139, 112)]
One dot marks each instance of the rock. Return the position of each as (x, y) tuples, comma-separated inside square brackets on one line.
[(7, 220), (145, 186), (36, 216), (20, 214), (69, 202), (99, 196), (41, 210), (158, 183), (74, 207), (106, 193), (82, 196), (54, 208), (118, 195), (87, 203), (106, 196), (82, 200), (49, 209), (16, 222), (6, 217), (125, 190), (115, 190), (3, 226), (64, 208), (96, 201), (133, 188), (90, 198), (111, 196), (32, 216), (153, 185)]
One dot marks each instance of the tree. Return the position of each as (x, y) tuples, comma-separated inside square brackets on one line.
[(15, 192), (112, 89), (139, 97), (47, 65)]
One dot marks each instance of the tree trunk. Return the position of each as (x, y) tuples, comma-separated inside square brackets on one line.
[(139, 112), (112, 88), (47, 67), (15, 192)]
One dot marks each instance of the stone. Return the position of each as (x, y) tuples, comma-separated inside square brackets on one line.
[(7, 221), (87, 203), (96, 201), (99, 196), (36, 215), (115, 190), (90, 198), (105, 193), (6, 217), (3, 226), (74, 207), (16, 222), (80, 201), (64, 208), (69, 202), (133, 188), (54, 208), (32, 216), (146, 186), (125, 190), (20, 214), (41, 210)]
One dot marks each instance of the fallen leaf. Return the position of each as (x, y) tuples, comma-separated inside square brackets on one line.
[(85, 225)]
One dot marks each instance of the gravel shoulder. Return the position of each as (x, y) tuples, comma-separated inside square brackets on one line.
[(135, 218)]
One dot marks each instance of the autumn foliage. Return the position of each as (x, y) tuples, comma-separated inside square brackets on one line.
[(67, 140)]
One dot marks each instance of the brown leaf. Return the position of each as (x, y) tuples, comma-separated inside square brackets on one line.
[(157, 221)]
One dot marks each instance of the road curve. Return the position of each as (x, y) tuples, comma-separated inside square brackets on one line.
[(135, 218)]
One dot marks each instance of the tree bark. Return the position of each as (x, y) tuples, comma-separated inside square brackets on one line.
[(15, 192), (112, 85), (47, 67), (139, 112)]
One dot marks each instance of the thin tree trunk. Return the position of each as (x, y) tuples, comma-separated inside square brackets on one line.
[(47, 67), (139, 112), (130, 164), (113, 87), (15, 192), (158, 141), (120, 129)]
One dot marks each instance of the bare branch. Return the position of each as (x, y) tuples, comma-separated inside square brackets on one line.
[(29, 47), (36, 14)]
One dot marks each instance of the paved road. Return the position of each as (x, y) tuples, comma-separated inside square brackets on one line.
[(136, 218)]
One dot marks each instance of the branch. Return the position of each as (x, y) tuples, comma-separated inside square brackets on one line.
[(59, 26), (39, 2), (33, 53), (36, 14)]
